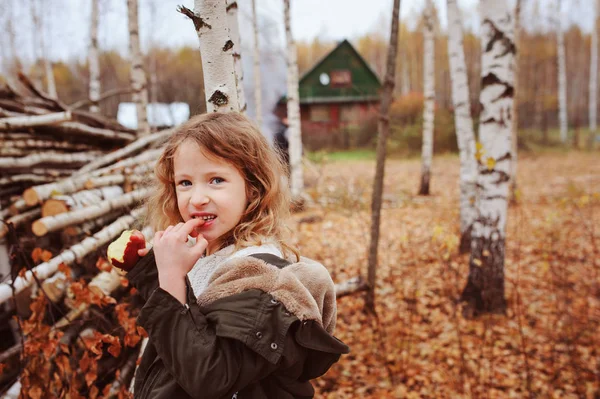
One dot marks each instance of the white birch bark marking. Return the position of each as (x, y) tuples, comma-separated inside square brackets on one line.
[(562, 75), (594, 74), (49, 224), (216, 47), (17, 122), (429, 91), (94, 64), (234, 34), (515, 109), (256, 60), (125, 151), (48, 157), (293, 109), (462, 118), (75, 253), (138, 76), (486, 268)]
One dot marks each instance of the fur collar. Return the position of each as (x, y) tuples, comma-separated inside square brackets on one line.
[(305, 288)]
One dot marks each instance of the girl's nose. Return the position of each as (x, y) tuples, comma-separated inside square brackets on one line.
[(199, 199)]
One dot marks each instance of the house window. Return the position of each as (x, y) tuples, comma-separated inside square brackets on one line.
[(341, 78), (319, 113)]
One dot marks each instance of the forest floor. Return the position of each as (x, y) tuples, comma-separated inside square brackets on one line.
[(420, 346)]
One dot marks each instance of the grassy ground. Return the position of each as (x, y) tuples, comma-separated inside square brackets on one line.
[(547, 344)]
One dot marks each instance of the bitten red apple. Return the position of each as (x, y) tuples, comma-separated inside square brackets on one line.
[(123, 252)]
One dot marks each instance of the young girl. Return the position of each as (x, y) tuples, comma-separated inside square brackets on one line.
[(231, 310)]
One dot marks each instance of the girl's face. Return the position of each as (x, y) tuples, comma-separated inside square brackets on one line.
[(210, 188)]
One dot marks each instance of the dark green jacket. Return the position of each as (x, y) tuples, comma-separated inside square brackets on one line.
[(246, 344)]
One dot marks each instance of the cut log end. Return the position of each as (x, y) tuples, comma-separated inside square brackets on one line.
[(31, 197), (54, 207), (39, 228)]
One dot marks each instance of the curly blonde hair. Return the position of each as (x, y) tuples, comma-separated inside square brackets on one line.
[(235, 139)]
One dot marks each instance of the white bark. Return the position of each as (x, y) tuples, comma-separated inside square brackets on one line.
[(486, 269), (46, 30), (138, 76), (17, 122), (257, 79), (49, 224), (75, 253), (32, 143), (79, 200), (594, 73), (126, 151), (462, 118), (429, 92), (48, 157), (515, 109), (216, 47), (94, 64), (562, 75), (28, 177), (234, 33), (293, 109)]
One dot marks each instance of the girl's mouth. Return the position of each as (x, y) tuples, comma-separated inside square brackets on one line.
[(208, 220)]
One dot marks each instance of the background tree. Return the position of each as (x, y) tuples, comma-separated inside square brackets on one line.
[(464, 124), (94, 65), (216, 47), (256, 63), (138, 75), (484, 291), (593, 102), (515, 108), (383, 130), (234, 32), (293, 109), (562, 73), (429, 92)]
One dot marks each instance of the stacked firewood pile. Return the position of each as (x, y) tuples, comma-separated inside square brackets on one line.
[(70, 183)]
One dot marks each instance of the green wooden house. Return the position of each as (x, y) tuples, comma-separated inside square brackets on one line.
[(336, 95)]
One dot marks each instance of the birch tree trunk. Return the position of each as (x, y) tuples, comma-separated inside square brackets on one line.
[(234, 33), (484, 291), (50, 83), (293, 109), (465, 136), (257, 80), (383, 128), (594, 77), (138, 76), (429, 106), (562, 75), (515, 109), (94, 64), (216, 48)]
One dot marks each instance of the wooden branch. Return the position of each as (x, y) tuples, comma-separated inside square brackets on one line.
[(32, 143), (17, 207), (49, 224), (20, 219), (38, 92), (102, 181), (68, 256), (146, 157), (351, 286), (142, 349), (58, 204), (18, 122), (125, 151), (85, 130), (87, 228), (25, 178), (48, 157), (36, 194), (126, 371), (103, 96)]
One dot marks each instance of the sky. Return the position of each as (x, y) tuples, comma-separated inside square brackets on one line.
[(67, 30)]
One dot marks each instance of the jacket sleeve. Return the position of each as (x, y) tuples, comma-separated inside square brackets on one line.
[(204, 364)]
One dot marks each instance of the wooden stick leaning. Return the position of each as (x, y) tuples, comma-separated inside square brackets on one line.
[(48, 157), (127, 150), (20, 219), (67, 203), (68, 256), (16, 122), (85, 130), (49, 224)]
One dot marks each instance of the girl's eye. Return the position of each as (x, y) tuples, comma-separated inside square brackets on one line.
[(217, 180), (185, 183)]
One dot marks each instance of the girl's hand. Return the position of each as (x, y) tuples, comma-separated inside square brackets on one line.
[(174, 257)]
